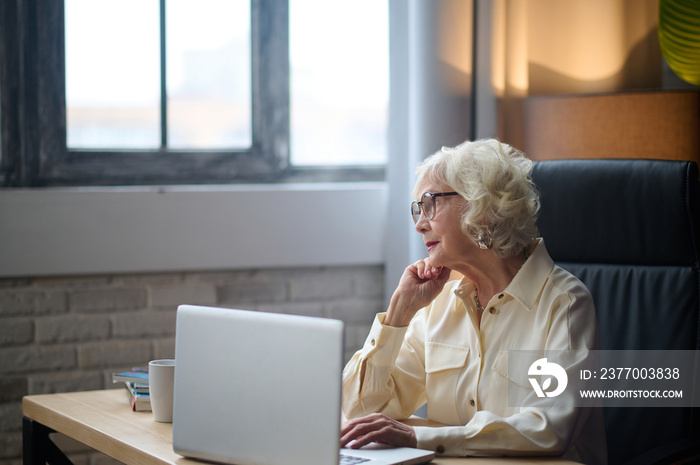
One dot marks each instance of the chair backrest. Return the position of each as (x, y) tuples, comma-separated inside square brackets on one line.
[(629, 229)]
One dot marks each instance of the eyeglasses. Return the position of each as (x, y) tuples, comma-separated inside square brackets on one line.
[(426, 205)]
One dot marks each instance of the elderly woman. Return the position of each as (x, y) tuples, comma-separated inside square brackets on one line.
[(446, 343)]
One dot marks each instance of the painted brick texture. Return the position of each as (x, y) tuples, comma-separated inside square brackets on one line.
[(62, 334)]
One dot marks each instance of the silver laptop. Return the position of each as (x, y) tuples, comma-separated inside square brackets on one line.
[(264, 389)]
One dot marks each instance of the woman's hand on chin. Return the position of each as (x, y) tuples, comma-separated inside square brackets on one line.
[(419, 285)]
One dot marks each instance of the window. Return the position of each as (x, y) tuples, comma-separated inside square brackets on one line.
[(114, 79), (176, 122), (339, 55)]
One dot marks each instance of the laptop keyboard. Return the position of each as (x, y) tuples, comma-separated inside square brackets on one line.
[(350, 460)]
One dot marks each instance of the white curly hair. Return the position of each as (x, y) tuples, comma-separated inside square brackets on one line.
[(494, 178)]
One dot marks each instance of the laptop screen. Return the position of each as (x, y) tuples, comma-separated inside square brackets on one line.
[(255, 387)]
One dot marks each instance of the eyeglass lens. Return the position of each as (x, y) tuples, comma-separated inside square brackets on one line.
[(427, 205)]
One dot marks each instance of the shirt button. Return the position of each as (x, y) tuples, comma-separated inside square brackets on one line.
[(440, 449), (492, 310), (372, 342), (472, 403), (500, 296)]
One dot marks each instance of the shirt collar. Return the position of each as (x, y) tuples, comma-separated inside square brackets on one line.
[(527, 284)]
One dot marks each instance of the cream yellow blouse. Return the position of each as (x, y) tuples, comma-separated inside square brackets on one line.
[(461, 369)]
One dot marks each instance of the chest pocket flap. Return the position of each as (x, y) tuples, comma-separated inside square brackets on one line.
[(500, 366), (439, 356)]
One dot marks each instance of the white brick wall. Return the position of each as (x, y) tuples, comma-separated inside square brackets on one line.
[(70, 333)]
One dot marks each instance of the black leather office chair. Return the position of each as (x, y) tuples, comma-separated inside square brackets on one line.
[(629, 229)]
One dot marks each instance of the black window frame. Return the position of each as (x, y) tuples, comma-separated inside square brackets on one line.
[(33, 152)]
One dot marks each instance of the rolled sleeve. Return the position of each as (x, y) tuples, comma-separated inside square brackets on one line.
[(383, 343), (367, 381)]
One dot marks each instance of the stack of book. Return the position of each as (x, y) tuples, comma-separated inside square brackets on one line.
[(136, 382)]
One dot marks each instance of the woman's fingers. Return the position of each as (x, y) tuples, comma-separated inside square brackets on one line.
[(377, 428), (426, 271), (418, 286), (420, 269)]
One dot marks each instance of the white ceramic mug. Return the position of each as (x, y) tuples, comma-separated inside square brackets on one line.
[(161, 378)]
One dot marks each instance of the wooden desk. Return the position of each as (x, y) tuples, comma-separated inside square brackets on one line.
[(104, 421)]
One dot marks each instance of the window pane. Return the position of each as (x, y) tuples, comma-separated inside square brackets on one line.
[(339, 61), (208, 74), (112, 74)]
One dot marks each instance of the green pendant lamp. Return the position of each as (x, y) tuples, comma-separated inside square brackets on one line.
[(679, 37)]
